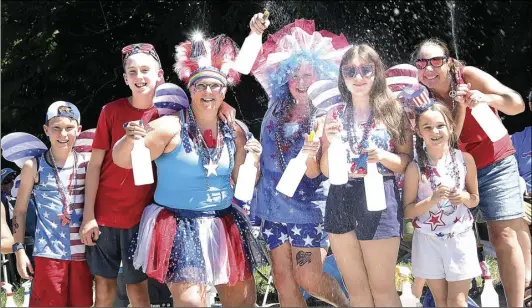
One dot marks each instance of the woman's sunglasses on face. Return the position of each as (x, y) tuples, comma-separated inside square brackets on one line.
[(434, 62), (365, 70)]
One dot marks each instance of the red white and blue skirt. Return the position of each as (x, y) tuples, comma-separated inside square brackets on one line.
[(213, 247)]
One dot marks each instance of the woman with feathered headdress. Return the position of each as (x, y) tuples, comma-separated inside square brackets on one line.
[(191, 237), (291, 60)]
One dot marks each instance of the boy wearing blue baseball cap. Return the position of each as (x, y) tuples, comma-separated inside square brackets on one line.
[(56, 180)]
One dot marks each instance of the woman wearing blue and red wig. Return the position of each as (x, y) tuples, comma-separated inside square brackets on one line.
[(292, 60)]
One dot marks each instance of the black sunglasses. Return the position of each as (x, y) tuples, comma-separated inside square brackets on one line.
[(434, 62)]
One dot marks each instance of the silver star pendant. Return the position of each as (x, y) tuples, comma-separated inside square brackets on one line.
[(211, 168)]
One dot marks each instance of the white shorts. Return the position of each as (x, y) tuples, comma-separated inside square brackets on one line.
[(452, 259)]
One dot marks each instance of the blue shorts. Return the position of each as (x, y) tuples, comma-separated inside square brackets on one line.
[(499, 193), (299, 235), (346, 211)]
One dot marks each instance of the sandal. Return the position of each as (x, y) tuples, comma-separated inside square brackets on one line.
[(528, 295)]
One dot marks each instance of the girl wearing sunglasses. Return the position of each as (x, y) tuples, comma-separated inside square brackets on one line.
[(374, 129), (461, 88)]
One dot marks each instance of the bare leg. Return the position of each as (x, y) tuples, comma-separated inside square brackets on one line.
[(503, 237), (380, 257), (457, 293), (348, 254), (243, 294), (417, 286), (438, 288), (105, 291), (138, 294), (308, 271), (289, 293), (188, 294)]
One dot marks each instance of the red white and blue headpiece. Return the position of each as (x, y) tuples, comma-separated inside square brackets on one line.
[(207, 58)]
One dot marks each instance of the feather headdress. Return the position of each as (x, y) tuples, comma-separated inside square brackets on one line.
[(201, 58)]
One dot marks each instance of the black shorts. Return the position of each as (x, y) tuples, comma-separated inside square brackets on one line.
[(346, 211), (110, 250)]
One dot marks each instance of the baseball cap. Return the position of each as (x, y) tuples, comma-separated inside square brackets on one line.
[(5, 172), (63, 109)]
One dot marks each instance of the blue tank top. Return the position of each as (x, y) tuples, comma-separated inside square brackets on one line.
[(308, 203), (182, 181)]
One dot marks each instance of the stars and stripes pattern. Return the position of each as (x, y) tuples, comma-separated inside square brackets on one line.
[(298, 235), (83, 143), (170, 98), (19, 147), (399, 77), (53, 238)]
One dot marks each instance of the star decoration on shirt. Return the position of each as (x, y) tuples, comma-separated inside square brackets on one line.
[(268, 232), (296, 230), (211, 168), (270, 127), (321, 206), (308, 240), (301, 193), (319, 228), (75, 217), (46, 214), (62, 234), (41, 169), (435, 220), (54, 225), (42, 241), (414, 223)]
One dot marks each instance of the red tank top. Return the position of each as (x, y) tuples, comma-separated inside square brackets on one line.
[(474, 140)]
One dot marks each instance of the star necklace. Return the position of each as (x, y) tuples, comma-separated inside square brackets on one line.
[(207, 154), (65, 192)]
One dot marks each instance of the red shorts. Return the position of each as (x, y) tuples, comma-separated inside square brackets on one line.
[(61, 283)]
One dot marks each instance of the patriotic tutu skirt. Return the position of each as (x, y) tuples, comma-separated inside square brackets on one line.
[(214, 247)]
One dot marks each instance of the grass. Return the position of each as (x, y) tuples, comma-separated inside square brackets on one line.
[(18, 293)]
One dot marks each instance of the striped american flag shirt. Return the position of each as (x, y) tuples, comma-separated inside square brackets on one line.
[(56, 235)]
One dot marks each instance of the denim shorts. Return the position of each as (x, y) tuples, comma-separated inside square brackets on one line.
[(346, 211), (499, 193)]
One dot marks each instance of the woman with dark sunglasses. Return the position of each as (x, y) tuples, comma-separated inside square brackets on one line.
[(374, 129), (461, 88)]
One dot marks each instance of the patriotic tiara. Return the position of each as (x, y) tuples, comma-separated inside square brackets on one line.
[(207, 58)]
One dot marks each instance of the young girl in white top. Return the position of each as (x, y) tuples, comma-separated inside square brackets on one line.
[(440, 187)]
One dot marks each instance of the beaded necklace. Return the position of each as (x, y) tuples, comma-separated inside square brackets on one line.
[(454, 172), (209, 157), (355, 145), (65, 192), (284, 144)]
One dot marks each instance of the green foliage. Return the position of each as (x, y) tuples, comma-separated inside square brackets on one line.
[(18, 293)]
